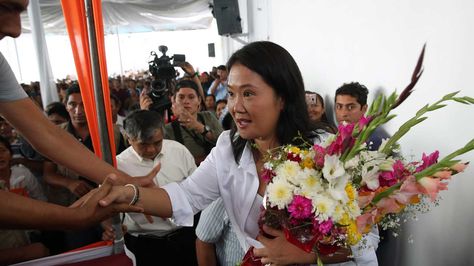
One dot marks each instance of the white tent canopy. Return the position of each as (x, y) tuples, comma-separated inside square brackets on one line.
[(134, 16)]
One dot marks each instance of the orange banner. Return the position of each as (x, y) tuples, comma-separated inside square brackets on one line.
[(75, 18)]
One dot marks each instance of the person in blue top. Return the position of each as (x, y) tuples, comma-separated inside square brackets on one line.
[(351, 104)]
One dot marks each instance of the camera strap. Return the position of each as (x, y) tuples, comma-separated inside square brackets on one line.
[(177, 131)]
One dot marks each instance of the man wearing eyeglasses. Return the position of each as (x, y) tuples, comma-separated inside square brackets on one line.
[(351, 104)]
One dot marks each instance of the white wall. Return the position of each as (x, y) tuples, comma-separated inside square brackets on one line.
[(377, 43)]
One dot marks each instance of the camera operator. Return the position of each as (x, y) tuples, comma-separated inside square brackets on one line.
[(146, 101)]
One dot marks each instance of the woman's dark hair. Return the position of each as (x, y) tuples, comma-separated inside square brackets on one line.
[(324, 123), (57, 108), (6, 143), (279, 70)]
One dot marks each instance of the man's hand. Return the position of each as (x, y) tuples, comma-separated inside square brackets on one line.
[(187, 68), (109, 232), (88, 211), (189, 121), (145, 100)]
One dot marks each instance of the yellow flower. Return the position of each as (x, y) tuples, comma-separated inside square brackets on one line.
[(351, 193), (353, 236), (294, 150), (307, 163), (345, 220)]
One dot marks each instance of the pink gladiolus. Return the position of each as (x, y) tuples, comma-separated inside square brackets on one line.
[(364, 121), (432, 186), (459, 167), (399, 169), (365, 221), (408, 191), (300, 207), (364, 198), (446, 174), (428, 161), (343, 141), (388, 205), (345, 130), (387, 179), (319, 157)]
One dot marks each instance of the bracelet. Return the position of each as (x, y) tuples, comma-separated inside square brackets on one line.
[(136, 194)]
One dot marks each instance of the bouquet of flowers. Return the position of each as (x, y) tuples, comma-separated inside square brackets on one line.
[(328, 195)]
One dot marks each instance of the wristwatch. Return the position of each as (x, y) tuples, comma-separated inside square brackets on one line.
[(206, 129)]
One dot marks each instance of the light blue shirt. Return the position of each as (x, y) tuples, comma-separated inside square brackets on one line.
[(221, 90)]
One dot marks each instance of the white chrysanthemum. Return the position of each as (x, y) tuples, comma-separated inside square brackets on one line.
[(353, 209), (303, 175), (338, 213), (311, 187), (288, 170), (333, 167), (324, 207), (370, 176), (280, 193)]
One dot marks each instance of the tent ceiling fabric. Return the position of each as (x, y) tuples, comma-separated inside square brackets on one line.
[(133, 16)]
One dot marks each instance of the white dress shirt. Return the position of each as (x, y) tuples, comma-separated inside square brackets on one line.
[(176, 164)]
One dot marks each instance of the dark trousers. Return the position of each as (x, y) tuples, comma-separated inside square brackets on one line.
[(175, 249)]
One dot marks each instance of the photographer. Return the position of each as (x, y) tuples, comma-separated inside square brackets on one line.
[(198, 131)]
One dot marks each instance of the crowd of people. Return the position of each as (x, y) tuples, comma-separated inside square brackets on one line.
[(202, 152)]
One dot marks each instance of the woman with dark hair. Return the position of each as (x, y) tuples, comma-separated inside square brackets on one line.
[(317, 111), (266, 99)]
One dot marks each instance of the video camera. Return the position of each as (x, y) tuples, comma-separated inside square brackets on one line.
[(163, 72)]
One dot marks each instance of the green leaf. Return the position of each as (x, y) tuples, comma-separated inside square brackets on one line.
[(449, 95), (460, 100), (435, 107)]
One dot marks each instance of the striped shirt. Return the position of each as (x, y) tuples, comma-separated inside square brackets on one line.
[(215, 227)]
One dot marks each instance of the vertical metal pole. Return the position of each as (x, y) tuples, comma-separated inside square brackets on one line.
[(18, 60), (120, 52), (102, 121)]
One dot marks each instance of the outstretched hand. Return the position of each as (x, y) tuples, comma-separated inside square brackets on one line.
[(90, 212), (278, 251)]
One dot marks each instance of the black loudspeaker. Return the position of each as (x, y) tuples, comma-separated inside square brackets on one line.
[(211, 49), (227, 16)]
